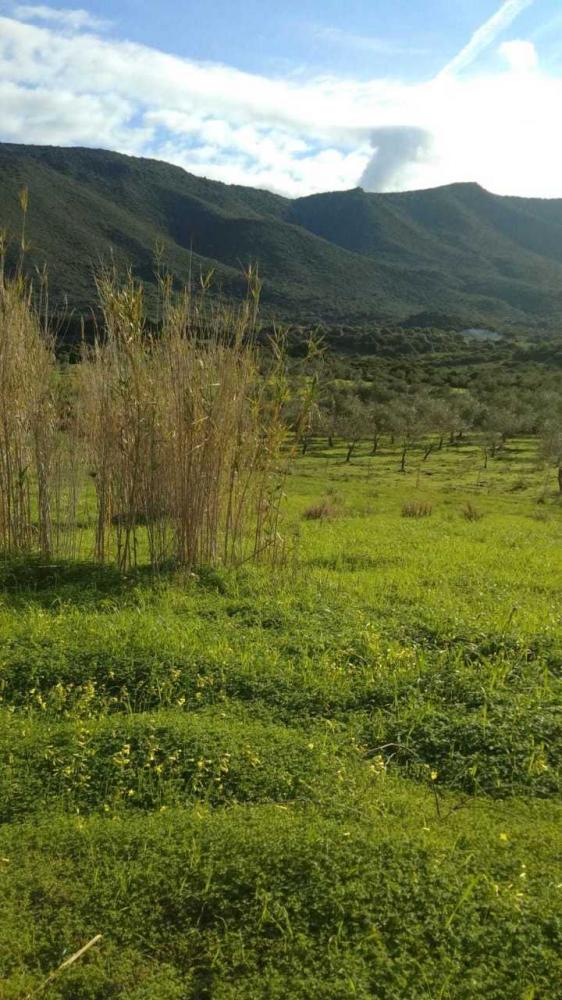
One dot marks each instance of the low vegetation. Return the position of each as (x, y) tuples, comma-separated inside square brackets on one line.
[(340, 781)]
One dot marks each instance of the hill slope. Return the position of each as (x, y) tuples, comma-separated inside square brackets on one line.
[(345, 256)]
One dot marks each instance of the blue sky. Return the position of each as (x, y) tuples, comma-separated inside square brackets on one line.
[(365, 38), (297, 96)]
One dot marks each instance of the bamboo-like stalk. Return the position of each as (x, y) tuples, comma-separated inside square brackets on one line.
[(27, 422), (182, 431)]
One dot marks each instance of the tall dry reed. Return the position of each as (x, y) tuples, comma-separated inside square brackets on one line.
[(183, 430), (180, 432), (27, 422)]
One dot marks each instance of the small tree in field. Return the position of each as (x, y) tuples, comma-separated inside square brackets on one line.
[(441, 420), (494, 424), (453, 415), (504, 416), (305, 419), (351, 424), (408, 419), (328, 415), (378, 423), (302, 410)]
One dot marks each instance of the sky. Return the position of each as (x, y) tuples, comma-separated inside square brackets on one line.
[(300, 96)]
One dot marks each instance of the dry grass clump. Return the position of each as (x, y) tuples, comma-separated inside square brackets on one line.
[(325, 510), (471, 513), (519, 484), (417, 508), (539, 515)]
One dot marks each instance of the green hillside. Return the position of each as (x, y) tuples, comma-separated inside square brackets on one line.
[(344, 256)]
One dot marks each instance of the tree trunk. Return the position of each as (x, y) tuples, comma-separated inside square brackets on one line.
[(403, 459), (330, 441), (560, 478), (375, 444), (350, 450), (427, 452), (304, 446), (440, 445)]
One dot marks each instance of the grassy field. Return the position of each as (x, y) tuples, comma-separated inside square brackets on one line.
[(339, 780)]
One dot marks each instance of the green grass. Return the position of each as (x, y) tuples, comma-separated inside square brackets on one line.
[(340, 782)]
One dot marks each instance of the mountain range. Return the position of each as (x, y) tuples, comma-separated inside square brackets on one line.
[(342, 257)]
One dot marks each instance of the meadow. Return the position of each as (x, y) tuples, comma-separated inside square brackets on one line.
[(333, 777)]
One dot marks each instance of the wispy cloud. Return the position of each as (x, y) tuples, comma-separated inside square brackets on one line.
[(486, 34), (364, 43), (74, 19)]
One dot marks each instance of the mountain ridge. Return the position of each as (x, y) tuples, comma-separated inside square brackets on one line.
[(338, 257)]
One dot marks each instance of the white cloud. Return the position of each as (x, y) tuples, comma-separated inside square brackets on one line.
[(42, 116), (520, 56), (497, 128), (34, 56), (75, 20), (486, 34), (328, 169)]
